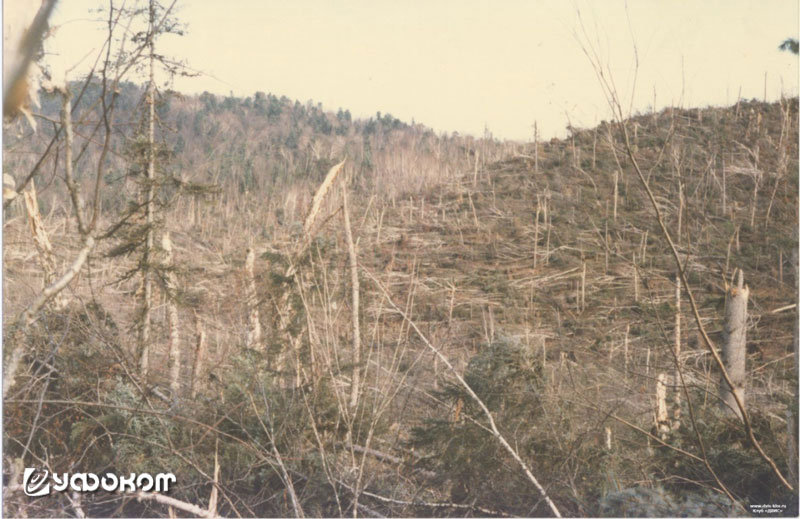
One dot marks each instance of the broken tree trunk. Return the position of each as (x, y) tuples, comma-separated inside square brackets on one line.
[(199, 359), (734, 351), (662, 414), (25, 319), (353, 259), (253, 338), (42, 242), (676, 395)]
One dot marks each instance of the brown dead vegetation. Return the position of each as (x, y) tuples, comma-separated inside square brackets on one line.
[(553, 265)]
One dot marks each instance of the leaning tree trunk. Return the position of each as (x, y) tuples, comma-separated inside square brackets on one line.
[(734, 350), (42, 243)]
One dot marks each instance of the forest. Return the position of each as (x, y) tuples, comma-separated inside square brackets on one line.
[(297, 312)]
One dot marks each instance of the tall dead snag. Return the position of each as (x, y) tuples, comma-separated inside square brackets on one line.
[(536, 230), (198, 364), (535, 147), (616, 192), (475, 173), (150, 187), (676, 400), (351, 252), (253, 338), (734, 351), (174, 349), (668, 404), (42, 242), (662, 413), (69, 178)]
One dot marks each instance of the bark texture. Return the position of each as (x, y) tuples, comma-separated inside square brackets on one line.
[(734, 350)]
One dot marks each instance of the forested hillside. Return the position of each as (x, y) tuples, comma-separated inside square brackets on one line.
[(476, 316), (265, 145)]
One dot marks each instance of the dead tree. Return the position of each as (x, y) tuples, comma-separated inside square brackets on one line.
[(253, 338), (676, 395), (42, 242), (734, 351), (149, 201), (198, 365), (353, 260), (662, 412), (174, 349)]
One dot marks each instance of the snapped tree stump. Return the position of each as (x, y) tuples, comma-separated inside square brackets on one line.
[(734, 351)]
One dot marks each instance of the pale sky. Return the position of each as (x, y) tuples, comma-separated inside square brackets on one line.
[(462, 65)]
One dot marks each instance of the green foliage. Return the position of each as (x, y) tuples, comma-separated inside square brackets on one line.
[(790, 45), (656, 502), (141, 438), (740, 468), (508, 379)]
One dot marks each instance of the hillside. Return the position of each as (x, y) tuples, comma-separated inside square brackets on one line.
[(262, 144), (539, 272)]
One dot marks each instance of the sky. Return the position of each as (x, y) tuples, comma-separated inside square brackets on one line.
[(469, 65)]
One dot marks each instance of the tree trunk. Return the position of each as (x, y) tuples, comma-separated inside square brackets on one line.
[(535, 147), (253, 339), (662, 413), (199, 359), (734, 351), (536, 231), (676, 395), (147, 282), (351, 251), (15, 346), (616, 193), (174, 349), (42, 242)]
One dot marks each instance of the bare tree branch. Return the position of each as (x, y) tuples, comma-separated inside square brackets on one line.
[(494, 430)]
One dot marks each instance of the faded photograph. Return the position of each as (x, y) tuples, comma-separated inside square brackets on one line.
[(519, 258)]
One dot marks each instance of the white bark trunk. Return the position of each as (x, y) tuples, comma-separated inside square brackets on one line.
[(676, 401), (734, 350), (253, 339), (174, 349), (42, 243), (147, 282), (662, 415), (353, 257), (199, 360), (25, 319)]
